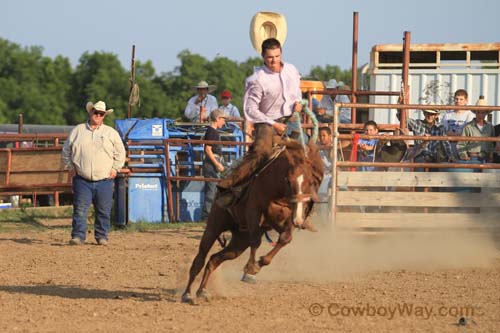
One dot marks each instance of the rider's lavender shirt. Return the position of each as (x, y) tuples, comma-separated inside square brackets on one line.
[(269, 95)]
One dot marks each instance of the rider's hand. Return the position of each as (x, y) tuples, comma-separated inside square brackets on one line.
[(279, 128)]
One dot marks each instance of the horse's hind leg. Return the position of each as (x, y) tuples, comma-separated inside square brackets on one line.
[(209, 237), (238, 244)]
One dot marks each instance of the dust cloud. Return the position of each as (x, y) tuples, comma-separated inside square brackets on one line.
[(332, 254)]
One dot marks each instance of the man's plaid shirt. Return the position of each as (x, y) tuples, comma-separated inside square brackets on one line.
[(421, 128)]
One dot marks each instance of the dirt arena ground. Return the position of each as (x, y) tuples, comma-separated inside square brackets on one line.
[(325, 281)]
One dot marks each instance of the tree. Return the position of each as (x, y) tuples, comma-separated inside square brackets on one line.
[(330, 72), (49, 91), (99, 76), (32, 84)]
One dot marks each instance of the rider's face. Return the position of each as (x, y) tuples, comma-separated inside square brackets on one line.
[(272, 59)]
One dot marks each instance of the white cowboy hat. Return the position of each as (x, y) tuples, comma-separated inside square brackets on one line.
[(267, 25), (430, 111), (99, 106), (204, 84), (331, 84), (481, 101)]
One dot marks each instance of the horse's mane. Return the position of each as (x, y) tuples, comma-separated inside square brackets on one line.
[(295, 153)]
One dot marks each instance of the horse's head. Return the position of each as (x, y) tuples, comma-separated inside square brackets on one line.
[(304, 179)]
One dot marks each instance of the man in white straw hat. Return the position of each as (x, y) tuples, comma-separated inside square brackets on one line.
[(326, 104), (475, 151), (271, 96), (93, 154), (200, 106)]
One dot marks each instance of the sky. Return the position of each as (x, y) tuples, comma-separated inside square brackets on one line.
[(320, 33)]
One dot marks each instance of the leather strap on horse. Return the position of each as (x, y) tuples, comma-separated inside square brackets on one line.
[(354, 151)]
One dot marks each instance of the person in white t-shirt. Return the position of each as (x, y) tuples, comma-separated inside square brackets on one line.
[(454, 121)]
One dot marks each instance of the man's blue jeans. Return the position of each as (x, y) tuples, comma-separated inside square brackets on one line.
[(100, 194)]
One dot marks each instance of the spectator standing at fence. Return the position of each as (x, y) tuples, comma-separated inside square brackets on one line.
[(474, 151), (213, 159), (367, 147), (227, 107), (326, 105), (324, 191), (325, 140), (429, 151), (454, 121), (93, 153), (200, 106)]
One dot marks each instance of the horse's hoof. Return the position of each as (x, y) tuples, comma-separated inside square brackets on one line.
[(249, 278), (205, 295), (309, 226), (187, 298)]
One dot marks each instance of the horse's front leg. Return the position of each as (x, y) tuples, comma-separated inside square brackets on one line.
[(252, 267), (285, 237)]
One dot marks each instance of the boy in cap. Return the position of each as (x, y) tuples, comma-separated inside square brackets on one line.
[(229, 109), (212, 162)]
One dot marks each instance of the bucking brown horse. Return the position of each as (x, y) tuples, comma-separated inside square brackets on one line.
[(279, 197)]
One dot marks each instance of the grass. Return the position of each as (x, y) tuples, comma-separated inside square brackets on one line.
[(30, 214), (29, 218), (144, 226)]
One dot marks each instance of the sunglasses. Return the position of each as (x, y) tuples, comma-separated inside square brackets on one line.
[(100, 114)]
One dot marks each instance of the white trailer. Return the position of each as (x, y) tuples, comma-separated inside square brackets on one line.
[(436, 71)]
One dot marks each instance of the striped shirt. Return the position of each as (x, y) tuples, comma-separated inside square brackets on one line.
[(269, 95)]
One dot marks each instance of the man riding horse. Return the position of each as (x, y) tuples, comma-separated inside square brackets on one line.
[(280, 186), (271, 96)]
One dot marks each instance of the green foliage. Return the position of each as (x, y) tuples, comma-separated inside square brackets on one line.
[(330, 72), (33, 85), (49, 91)]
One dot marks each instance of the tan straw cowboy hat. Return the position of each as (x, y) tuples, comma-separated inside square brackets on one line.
[(267, 25), (99, 106), (204, 85)]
